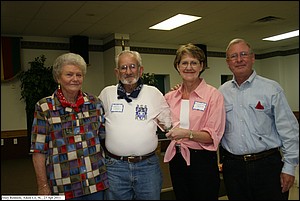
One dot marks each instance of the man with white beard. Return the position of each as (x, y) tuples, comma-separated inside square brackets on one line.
[(133, 111)]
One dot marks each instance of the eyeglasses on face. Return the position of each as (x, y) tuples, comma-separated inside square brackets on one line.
[(193, 64), (124, 68), (243, 55)]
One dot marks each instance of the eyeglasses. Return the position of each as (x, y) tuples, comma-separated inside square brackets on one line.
[(184, 64), (124, 68), (243, 55)]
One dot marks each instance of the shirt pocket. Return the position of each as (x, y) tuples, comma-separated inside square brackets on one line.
[(261, 119)]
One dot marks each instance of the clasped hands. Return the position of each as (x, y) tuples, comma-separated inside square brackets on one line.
[(176, 133)]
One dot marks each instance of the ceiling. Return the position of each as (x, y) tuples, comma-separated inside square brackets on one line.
[(221, 21)]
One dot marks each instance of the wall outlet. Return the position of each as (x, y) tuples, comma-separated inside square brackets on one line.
[(15, 141), (2, 142)]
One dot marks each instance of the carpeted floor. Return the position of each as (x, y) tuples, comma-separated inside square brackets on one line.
[(18, 178)]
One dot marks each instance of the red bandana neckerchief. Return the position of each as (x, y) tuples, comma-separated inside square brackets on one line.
[(66, 103)]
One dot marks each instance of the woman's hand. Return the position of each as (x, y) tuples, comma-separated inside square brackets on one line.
[(177, 133), (175, 87)]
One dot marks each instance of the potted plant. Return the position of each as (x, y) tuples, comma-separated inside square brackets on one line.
[(36, 83), (149, 79)]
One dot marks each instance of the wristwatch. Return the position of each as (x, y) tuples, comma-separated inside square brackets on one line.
[(191, 134)]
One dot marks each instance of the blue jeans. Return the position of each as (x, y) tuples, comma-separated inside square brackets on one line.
[(134, 181)]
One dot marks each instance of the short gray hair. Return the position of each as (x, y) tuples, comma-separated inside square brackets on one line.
[(68, 59), (238, 40), (135, 54)]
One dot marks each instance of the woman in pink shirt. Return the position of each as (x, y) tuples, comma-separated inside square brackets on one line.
[(198, 118)]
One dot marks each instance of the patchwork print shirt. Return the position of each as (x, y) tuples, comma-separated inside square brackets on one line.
[(71, 142)]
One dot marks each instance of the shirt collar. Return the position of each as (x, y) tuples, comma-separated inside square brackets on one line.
[(249, 80), (198, 91)]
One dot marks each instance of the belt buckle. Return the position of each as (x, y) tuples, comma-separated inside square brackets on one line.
[(247, 157), (130, 159)]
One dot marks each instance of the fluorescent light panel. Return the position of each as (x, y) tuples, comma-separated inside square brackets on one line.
[(174, 22), (283, 36)]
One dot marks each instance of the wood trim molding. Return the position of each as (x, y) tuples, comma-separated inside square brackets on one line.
[(146, 50), (23, 133), (13, 133)]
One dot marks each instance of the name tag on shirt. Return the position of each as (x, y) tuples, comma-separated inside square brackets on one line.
[(199, 106), (116, 107)]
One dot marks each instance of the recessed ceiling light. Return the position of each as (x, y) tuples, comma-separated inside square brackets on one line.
[(174, 22), (283, 36)]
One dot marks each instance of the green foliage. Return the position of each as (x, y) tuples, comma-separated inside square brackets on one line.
[(37, 82), (149, 79)]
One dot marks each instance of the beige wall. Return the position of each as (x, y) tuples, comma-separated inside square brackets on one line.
[(284, 70)]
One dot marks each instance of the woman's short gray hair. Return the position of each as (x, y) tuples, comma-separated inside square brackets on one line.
[(68, 59)]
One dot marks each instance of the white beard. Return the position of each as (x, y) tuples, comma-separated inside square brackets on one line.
[(124, 81)]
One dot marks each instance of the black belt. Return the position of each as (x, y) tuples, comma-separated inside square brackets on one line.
[(251, 157), (130, 159)]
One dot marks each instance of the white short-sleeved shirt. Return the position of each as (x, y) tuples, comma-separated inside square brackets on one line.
[(130, 127)]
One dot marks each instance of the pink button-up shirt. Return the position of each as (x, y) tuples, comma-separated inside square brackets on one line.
[(206, 113)]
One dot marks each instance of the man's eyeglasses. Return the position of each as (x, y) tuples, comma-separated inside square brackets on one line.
[(184, 64), (124, 68), (243, 55)]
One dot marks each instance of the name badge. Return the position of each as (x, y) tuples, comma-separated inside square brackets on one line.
[(116, 107), (199, 106)]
